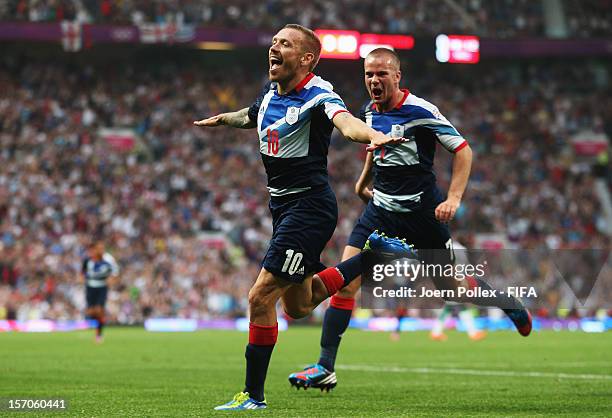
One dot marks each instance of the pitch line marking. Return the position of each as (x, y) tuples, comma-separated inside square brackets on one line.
[(473, 372), (461, 363)]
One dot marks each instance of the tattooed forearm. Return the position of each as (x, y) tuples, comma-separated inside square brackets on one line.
[(238, 119)]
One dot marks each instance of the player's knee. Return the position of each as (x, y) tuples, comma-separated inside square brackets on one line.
[(256, 298), (297, 312), (260, 297)]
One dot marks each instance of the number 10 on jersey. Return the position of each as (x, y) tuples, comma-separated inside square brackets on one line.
[(273, 142)]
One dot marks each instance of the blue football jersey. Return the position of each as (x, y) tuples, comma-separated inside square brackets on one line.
[(294, 132), (404, 179), (96, 272)]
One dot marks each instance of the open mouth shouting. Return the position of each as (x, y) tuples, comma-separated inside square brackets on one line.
[(275, 62), (377, 93)]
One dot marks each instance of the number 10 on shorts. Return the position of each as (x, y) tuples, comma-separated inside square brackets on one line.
[(292, 262)]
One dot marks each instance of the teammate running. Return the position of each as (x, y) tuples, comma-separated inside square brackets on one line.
[(405, 201)]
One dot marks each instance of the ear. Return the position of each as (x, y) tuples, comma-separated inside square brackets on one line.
[(306, 59)]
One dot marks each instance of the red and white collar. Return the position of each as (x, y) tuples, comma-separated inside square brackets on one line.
[(399, 104), (302, 83)]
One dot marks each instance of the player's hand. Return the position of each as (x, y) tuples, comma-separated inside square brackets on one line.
[(210, 122), (445, 212), (365, 194), (381, 139)]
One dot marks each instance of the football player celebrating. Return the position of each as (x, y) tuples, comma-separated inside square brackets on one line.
[(294, 117), (404, 202)]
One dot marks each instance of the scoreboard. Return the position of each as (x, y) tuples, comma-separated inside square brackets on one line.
[(352, 45)]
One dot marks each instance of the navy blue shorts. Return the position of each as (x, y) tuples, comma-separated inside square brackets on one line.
[(301, 229), (96, 296), (420, 228)]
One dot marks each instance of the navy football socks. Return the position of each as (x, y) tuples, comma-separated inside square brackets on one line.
[(335, 323), (258, 352), (258, 359), (351, 268)]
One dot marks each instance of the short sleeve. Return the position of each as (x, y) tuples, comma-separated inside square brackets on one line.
[(363, 110), (113, 264), (449, 137), (447, 134), (332, 104), (254, 108)]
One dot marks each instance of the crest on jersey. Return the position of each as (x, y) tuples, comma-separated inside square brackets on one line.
[(293, 114), (397, 131)]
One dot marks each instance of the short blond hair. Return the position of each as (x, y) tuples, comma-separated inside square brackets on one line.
[(387, 53), (311, 42)]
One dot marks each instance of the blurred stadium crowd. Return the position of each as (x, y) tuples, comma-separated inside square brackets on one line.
[(498, 18), (185, 212)]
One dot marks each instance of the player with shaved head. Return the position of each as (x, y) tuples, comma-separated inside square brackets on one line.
[(294, 117), (403, 202)]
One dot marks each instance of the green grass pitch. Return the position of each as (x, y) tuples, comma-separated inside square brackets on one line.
[(136, 373)]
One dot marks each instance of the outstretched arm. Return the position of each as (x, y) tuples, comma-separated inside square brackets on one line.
[(361, 187), (356, 130), (238, 119), (462, 164)]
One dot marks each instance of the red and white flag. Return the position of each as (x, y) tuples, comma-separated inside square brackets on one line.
[(72, 36), (119, 139), (153, 33)]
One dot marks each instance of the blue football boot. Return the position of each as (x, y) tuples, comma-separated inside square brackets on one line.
[(314, 376), (384, 249), (242, 401)]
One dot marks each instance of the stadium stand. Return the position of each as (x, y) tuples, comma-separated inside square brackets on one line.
[(185, 210), (495, 18)]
